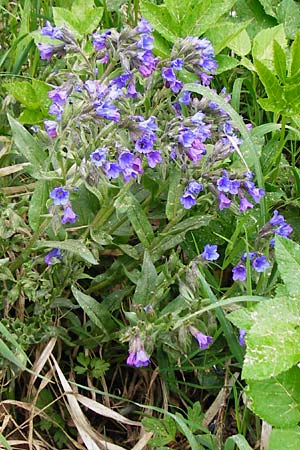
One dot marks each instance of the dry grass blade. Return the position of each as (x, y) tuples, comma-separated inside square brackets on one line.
[(40, 362), (89, 436), (143, 441), (105, 411), (4, 171)]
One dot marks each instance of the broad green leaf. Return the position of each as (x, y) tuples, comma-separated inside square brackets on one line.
[(262, 49), (295, 57), (145, 288), (65, 18), (98, 314), (31, 117), (252, 9), (223, 32), (115, 5), (270, 6), (277, 400), (73, 246), (37, 206), (285, 439), (137, 217), (237, 440), (161, 20), (271, 85), (179, 9), (241, 318), (174, 193), (226, 62), (27, 145), (24, 93), (241, 44), (287, 255), (279, 61), (41, 90), (288, 13), (292, 96), (272, 341), (203, 14)]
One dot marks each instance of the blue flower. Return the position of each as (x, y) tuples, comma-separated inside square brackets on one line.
[(50, 257), (225, 202), (154, 158), (46, 51), (203, 340), (194, 187), (277, 219), (60, 196), (52, 32), (58, 96), (188, 200), (239, 272), (112, 170), (98, 157), (51, 128), (210, 252), (242, 335), (260, 264), (107, 110), (69, 215), (177, 64)]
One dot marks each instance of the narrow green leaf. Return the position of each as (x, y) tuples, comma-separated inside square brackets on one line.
[(4, 442), (295, 56), (237, 440), (145, 288), (37, 206), (279, 61), (173, 193), (271, 84), (27, 145), (98, 314), (73, 246), (137, 217)]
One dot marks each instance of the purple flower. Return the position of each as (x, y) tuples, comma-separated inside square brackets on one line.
[(98, 157), (143, 26), (168, 74), (260, 264), (177, 64), (196, 151), (50, 126), (154, 158), (206, 79), (125, 160), (148, 63), (112, 170), (239, 272), (245, 204), (53, 32), (148, 125), (188, 200), (69, 215), (225, 202), (277, 219), (50, 257), (223, 184), (210, 252), (145, 143), (57, 111), (234, 186), (249, 255), (60, 196), (58, 96), (146, 42), (284, 230), (185, 98), (256, 194), (242, 335), (137, 355), (99, 40), (107, 110), (194, 187), (186, 137), (203, 340), (46, 51), (133, 170)]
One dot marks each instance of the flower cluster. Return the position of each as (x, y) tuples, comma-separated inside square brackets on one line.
[(259, 264), (52, 256), (279, 226), (61, 197), (242, 189)]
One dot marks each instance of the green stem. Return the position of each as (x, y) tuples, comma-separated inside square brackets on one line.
[(20, 259), (280, 148)]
